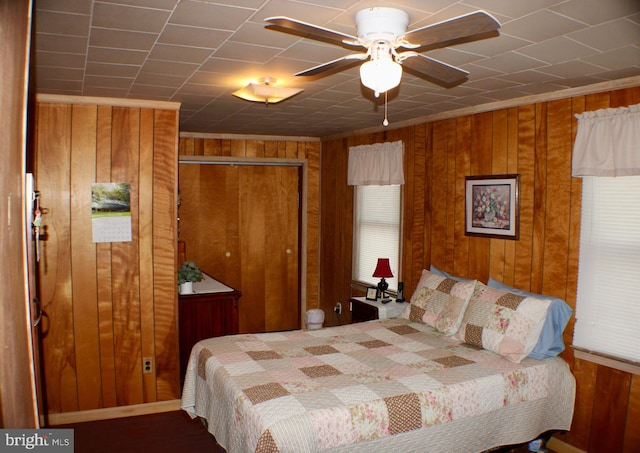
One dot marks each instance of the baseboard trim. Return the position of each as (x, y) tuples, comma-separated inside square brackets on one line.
[(113, 412), (562, 447)]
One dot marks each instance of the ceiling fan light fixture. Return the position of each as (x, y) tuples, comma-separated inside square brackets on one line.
[(380, 75), (266, 91)]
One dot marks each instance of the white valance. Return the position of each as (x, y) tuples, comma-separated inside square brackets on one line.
[(379, 164), (608, 143)]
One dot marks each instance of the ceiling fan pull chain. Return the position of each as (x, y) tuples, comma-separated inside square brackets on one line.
[(385, 122)]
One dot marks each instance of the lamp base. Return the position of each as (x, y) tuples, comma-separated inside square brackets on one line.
[(382, 288)]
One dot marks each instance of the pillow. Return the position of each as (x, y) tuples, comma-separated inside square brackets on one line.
[(435, 270), (551, 342), (505, 323), (439, 302)]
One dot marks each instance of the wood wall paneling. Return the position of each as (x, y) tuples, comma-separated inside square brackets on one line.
[(107, 305), (535, 141)]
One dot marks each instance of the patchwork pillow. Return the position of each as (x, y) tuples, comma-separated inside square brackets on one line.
[(505, 323), (439, 302), (551, 342)]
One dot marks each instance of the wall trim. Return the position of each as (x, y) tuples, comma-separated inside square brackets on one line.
[(113, 412), (112, 102), (287, 138)]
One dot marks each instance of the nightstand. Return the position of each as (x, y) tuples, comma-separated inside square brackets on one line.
[(211, 311), (367, 310)]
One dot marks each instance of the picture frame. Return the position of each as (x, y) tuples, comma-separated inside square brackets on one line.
[(372, 293), (492, 206)]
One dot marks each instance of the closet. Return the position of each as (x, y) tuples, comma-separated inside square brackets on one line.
[(241, 224)]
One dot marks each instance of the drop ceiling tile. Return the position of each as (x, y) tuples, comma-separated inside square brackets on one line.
[(245, 52), (167, 52), (151, 91), (116, 56), (632, 71), (59, 43), (112, 70), (156, 4), (108, 82), (208, 15), (59, 60), (160, 80), (251, 32), (70, 87), (64, 74), (201, 89), (510, 62), (616, 59), (307, 12), (609, 36), (121, 39), (168, 68), (596, 11), (121, 17), (511, 8), (557, 50), (193, 37), (571, 69), (62, 24), (68, 6), (528, 27), (528, 77)]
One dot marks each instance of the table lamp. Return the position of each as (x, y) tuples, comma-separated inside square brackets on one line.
[(383, 270)]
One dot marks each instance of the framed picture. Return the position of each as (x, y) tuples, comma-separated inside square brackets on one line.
[(372, 293), (492, 206)]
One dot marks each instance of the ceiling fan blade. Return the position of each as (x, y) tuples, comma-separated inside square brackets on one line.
[(334, 65), (311, 31), (433, 70), (471, 25)]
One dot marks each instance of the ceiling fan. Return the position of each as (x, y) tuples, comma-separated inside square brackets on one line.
[(382, 32)]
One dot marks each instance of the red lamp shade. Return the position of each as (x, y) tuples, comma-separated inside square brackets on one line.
[(383, 269)]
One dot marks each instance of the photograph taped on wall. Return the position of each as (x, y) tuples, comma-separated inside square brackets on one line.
[(492, 206), (111, 212)]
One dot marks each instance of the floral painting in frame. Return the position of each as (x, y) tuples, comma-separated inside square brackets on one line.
[(492, 206)]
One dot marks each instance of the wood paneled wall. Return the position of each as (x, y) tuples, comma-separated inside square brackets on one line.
[(276, 149), (534, 140), (107, 305)]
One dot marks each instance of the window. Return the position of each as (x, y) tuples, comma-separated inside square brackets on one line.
[(608, 299), (376, 232)]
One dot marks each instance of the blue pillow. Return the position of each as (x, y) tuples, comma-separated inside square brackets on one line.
[(435, 270), (550, 343)]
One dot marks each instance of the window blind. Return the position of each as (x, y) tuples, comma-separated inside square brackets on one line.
[(608, 298), (376, 232)]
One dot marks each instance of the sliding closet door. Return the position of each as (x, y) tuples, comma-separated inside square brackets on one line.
[(241, 225)]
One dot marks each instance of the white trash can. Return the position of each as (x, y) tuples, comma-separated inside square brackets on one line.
[(315, 319)]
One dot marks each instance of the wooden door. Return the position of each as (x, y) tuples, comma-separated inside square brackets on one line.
[(241, 225), (18, 399)]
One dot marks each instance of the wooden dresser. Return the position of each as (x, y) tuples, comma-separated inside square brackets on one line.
[(211, 311)]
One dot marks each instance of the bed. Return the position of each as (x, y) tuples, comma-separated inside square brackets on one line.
[(422, 382)]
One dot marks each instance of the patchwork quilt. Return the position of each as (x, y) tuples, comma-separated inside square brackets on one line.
[(372, 386)]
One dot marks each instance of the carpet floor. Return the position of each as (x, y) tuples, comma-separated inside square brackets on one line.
[(168, 432)]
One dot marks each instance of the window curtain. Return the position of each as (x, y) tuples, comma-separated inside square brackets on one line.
[(379, 164), (608, 143)]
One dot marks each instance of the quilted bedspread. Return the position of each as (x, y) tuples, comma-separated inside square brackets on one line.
[(372, 386)]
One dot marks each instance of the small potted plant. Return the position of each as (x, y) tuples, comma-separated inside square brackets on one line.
[(188, 273)]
